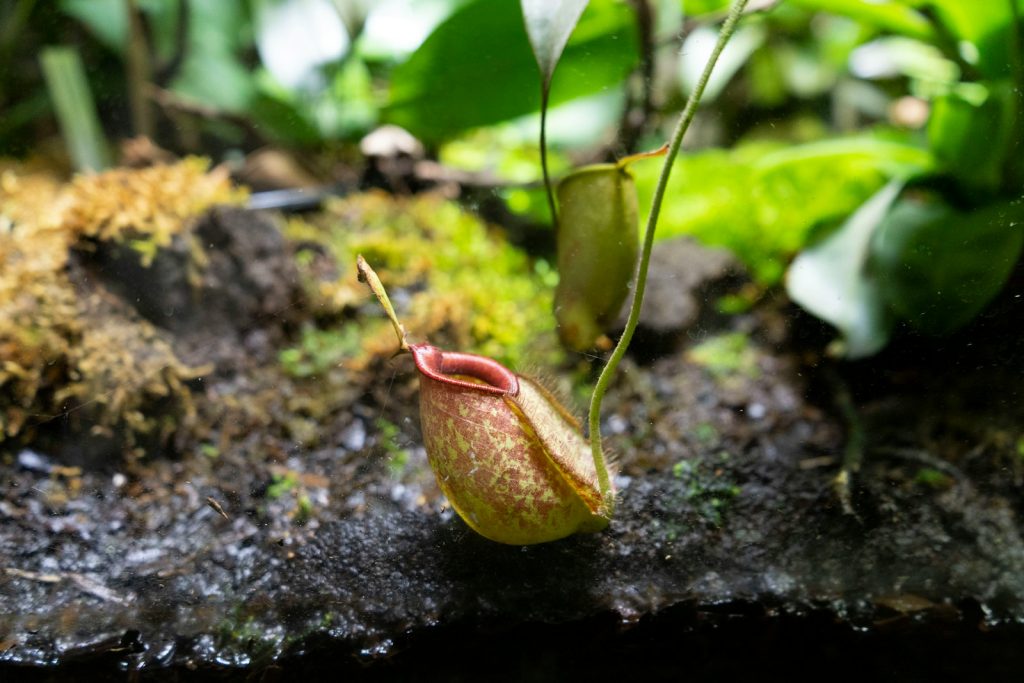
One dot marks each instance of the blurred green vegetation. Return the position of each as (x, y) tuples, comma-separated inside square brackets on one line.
[(816, 107)]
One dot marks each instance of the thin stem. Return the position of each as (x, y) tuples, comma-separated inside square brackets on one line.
[(544, 92), (138, 67), (603, 478)]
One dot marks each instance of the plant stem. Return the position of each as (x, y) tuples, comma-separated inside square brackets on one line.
[(138, 68), (603, 478), (545, 90)]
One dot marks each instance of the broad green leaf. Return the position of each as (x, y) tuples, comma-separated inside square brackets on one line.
[(939, 267), (549, 23), (889, 57), (108, 22), (284, 120), (891, 157), (984, 29), (765, 200), (972, 139), (697, 8), (830, 279), (106, 19), (889, 15), (477, 68), (213, 72)]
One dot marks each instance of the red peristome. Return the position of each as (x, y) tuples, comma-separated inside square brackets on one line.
[(441, 365)]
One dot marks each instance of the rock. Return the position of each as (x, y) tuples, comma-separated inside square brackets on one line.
[(685, 280), (231, 274)]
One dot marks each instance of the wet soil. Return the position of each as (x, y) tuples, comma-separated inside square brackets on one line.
[(262, 554)]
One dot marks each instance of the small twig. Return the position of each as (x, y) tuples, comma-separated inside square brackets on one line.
[(212, 502), (32, 576), (84, 583), (173, 102)]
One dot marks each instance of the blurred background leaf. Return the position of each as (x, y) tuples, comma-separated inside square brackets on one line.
[(938, 266), (477, 69)]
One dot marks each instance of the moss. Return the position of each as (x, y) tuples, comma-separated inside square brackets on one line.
[(706, 434), (282, 484), (457, 283), (726, 355), (121, 369), (68, 347), (320, 350), (145, 208), (707, 486), (933, 478), (398, 457)]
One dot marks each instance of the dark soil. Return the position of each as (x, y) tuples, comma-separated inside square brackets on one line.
[(731, 551)]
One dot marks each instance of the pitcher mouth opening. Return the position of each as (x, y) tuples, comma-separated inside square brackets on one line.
[(465, 370)]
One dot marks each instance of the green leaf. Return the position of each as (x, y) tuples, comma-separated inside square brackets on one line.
[(284, 120), (971, 138), (893, 16), (939, 267), (107, 20), (698, 8), (213, 72), (764, 200), (985, 28), (830, 279), (73, 104), (477, 68), (549, 23)]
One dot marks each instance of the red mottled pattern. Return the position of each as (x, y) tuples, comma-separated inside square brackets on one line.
[(561, 436), (494, 469)]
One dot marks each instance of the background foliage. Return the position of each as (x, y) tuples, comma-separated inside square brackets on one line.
[(816, 107)]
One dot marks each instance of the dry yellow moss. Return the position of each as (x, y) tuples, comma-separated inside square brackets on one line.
[(29, 197), (121, 366), (39, 319), (157, 202), (58, 347)]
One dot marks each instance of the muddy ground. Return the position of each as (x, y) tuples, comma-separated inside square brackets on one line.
[(731, 551)]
